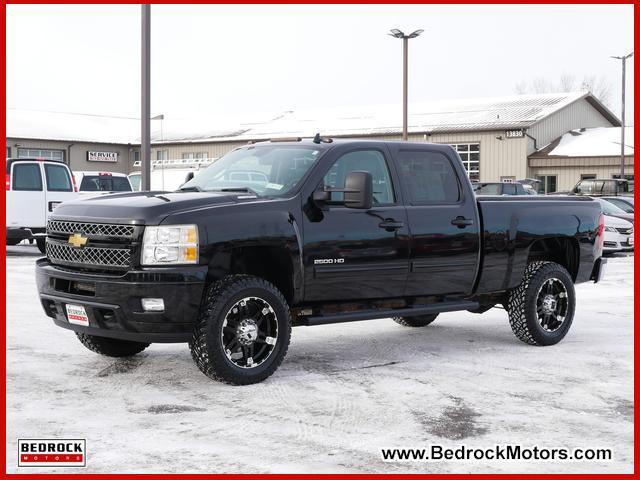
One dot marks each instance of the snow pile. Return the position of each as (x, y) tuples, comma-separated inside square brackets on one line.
[(594, 142)]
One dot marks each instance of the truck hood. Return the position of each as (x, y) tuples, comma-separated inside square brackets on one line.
[(144, 207)]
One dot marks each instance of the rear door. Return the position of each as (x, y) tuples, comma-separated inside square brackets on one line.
[(25, 206), (59, 185), (443, 220)]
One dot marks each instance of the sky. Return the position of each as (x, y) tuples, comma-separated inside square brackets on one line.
[(234, 60)]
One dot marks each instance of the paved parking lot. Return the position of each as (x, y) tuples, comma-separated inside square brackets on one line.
[(343, 392)]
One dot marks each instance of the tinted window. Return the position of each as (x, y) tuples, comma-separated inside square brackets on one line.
[(621, 204), (429, 177), (371, 161), (57, 178), (508, 189), (26, 176), (95, 183)]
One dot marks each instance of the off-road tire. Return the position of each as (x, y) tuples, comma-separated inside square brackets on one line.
[(416, 321), (111, 347), (42, 244), (521, 305), (206, 344)]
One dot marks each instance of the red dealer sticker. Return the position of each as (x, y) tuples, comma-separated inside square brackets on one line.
[(52, 452)]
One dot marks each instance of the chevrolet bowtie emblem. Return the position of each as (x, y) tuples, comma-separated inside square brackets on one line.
[(78, 240)]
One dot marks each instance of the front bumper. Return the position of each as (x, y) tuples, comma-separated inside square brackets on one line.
[(618, 242), (113, 302), (19, 233)]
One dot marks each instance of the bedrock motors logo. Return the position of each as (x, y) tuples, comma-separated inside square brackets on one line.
[(45, 452)]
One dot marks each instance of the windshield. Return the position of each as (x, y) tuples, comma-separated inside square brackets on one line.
[(270, 170), (104, 183), (609, 208)]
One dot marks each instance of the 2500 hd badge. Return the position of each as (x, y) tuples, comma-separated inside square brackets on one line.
[(286, 233)]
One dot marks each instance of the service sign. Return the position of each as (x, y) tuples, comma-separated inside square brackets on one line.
[(102, 156)]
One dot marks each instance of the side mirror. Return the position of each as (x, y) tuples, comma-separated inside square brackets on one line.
[(358, 190), (189, 176)]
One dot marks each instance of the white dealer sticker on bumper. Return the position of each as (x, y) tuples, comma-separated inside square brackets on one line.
[(78, 315)]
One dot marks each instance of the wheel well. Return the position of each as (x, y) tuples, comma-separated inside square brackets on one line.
[(272, 263), (563, 251)]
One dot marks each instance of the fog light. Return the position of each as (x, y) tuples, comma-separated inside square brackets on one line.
[(153, 304)]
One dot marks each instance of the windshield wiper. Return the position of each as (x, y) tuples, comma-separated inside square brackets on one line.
[(190, 189), (237, 189)]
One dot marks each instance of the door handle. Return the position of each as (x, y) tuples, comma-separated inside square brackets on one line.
[(461, 222), (390, 225)]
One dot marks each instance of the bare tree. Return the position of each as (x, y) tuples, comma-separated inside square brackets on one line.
[(567, 82), (598, 85)]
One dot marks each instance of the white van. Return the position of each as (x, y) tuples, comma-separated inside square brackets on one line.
[(101, 183), (34, 189)]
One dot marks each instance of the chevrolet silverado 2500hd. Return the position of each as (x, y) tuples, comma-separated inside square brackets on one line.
[(284, 233)]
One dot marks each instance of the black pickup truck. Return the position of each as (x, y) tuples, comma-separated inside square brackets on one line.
[(306, 232)]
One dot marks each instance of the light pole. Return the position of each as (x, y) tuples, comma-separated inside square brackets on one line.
[(624, 74), (405, 76), (145, 136)]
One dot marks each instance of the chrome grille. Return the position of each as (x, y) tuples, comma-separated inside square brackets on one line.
[(93, 229), (101, 257)]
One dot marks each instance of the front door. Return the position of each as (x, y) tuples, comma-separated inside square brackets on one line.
[(355, 254)]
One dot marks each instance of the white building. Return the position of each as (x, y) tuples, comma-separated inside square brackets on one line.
[(498, 139)]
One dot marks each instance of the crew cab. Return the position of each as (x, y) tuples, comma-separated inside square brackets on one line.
[(35, 187), (333, 231)]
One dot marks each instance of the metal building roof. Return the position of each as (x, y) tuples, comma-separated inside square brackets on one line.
[(491, 113)]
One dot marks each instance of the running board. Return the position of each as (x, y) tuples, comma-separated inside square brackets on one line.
[(450, 306)]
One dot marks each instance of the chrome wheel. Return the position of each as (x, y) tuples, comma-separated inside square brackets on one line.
[(552, 304), (249, 332)]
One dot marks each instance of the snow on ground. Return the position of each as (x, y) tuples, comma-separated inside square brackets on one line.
[(343, 392)]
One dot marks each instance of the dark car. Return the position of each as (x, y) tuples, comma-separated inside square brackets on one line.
[(499, 188), (330, 232)]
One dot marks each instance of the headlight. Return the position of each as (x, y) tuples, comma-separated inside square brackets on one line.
[(610, 229), (173, 244)]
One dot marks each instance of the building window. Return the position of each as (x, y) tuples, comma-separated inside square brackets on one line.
[(470, 156), (162, 154), (136, 156), (587, 176), (57, 155), (8, 152), (548, 183), (194, 155)]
